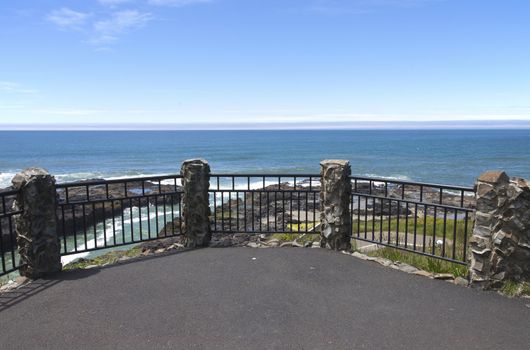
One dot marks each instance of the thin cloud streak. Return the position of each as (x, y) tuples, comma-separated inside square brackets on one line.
[(122, 22), (177, 3), (361, 125), (15, 88), (67, 18), (112, 3), (337, 7)]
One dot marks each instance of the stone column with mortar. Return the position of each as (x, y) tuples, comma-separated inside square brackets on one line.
[(36, 227), (500, 243), (196, 204), (335, 197)]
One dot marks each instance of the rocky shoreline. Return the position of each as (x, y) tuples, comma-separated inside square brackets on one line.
[(109, 204)]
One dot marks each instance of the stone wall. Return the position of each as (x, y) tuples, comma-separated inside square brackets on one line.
[(500, 244), (335, 197)]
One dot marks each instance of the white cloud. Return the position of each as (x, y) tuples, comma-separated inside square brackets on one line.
[(67, 18), (121, 22), (105, 26), (69, 111), (176, 2)]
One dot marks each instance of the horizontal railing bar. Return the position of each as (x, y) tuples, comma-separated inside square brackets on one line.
[(424, 184), (259, 190), (13, 269), (427, 204), (96, 201), (390, 245), (115, 181), (5, 215), (257, 232), (270, 175), (264, 175), (8, 192)]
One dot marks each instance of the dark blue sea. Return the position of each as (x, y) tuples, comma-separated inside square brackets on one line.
[(443, 156)]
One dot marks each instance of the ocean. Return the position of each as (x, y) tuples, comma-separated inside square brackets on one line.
[(454, 157)]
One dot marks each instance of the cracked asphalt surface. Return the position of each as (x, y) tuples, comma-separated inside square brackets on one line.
[(244, 298)]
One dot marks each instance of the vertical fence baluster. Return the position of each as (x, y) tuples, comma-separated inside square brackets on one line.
[(434, 231), (381, 220), (85, 227), (398, 207), (406, 224)]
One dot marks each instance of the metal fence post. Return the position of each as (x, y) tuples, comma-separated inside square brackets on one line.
[(196, 204), (36, 226), (335, 197)]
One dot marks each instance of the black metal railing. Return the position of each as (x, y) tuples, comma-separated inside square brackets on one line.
[(260, 203), (429, 219), (8, 250), (101, 214)]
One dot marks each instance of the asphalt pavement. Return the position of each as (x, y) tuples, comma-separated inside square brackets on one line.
[(245, 298)]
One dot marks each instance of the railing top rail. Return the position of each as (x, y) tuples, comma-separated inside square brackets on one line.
[(242, 175), (8, 192), (404, 182), (114, 181), (413, 202), (263, 175)]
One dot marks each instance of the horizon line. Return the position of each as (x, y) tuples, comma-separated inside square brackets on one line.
[(227, 126)]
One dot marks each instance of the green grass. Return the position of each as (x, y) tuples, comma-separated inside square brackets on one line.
[(297, 233), (515, 289), (421, 262), (422, 225), (107, 258), (426, 227), (302, 227), (300, 238)]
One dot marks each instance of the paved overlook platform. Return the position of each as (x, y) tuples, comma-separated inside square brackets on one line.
[(244, 298)]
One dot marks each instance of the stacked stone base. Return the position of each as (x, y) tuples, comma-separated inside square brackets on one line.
[(500, 244)]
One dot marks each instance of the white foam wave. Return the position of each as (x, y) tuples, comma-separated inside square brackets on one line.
[(99, 175), (152, 215), (69, 258), (5, 179), (397, 177)]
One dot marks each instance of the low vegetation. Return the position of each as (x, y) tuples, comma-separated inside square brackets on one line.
[(431, 227), (301, 227), (105, 259), (515, 289), (421, 262), (300, 238), (296, 232)]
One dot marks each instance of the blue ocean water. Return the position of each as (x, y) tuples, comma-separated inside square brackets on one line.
[(444, 156)]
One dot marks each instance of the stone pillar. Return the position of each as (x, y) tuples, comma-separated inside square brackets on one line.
[(36, 226), (335, 197), (500, 243), (196, 204)]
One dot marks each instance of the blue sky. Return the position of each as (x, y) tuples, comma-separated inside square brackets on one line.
[(266, 61)]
